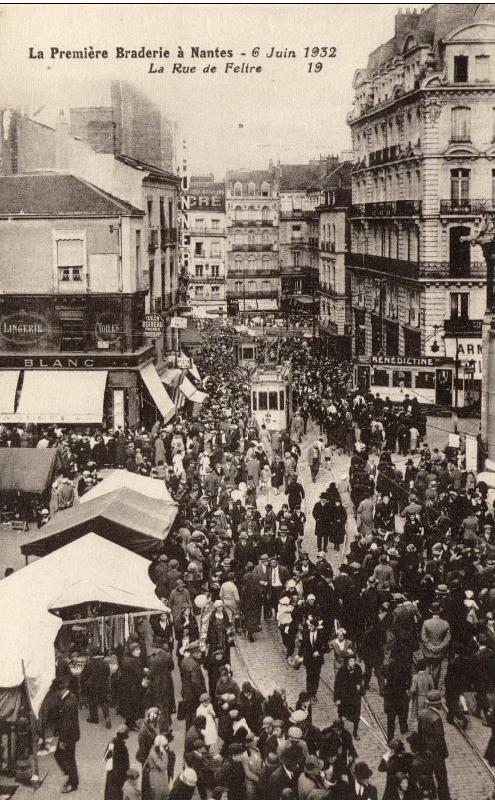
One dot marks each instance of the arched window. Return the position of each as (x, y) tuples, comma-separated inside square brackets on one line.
[(251, 189), (238, 189), (251, 285), (461, 124), (265, 211), (266, 237), (265, 189), (238, 213), (238, 264), (252, 214), (251, 238)]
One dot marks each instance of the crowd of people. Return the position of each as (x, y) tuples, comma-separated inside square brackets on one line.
[(409, 610)]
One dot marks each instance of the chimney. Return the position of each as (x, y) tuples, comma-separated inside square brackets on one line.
[(61, 143)]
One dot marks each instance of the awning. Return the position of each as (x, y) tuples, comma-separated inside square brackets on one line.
[(27, 469), (190, 391), (195, 371), (265, 304), (171, 376), (8, 386), (56, 396), (247, 305), (304, 299), (157, 391)]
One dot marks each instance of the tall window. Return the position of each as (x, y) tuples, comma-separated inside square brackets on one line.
[(162, 212), (265, 189), (482, 68), (459, 185), (252, 214), (215, 270), (215, 224), (199, 271), (460, 69), (461, 124), (149, 203), (70, 260), (238, 214), (459, 305), (493, 186), (251, 189), (265, 214), (138, 251), (238, 189)]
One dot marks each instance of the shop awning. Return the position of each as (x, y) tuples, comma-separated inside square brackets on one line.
[(247, 305), (26, 469), (57, 396), (304, 299), (8, 386), (157, 391), (265, 304), (189, 390), (171, 376)]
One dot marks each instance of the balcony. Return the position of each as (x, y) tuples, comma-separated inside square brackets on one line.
[(249, 275), (390, 208), (465, 208), (152, 240), (327, 247), (463, 327), (296, 214), (206, 279), (168, 236), (246, 223), (391, 266), (313, 242), (240, 293), (253, 248), (430, 270), (196, 230), (330, 291)]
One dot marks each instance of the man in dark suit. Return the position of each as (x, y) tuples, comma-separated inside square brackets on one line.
[(68, 735), (361, 788), (311, 650), (193, 682), (322, 515), (277, 576), (284, 777), (431, 733)]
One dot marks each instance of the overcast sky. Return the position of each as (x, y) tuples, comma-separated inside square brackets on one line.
[(229, 120)]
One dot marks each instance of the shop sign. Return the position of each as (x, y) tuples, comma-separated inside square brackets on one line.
[(22, 327), (406, 361), (178, 322), (183, 362), (153, 325), (467, 350), (107, 329)]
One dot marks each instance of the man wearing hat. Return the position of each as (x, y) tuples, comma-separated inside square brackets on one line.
[(361, 788), (435, 640), (286, 776), (193, 682), (323, 517), (432, 737), (311, 650), (311, 778), (68, 735)]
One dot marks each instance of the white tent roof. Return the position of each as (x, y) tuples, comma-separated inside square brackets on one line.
[(121, 478), (28, 630)]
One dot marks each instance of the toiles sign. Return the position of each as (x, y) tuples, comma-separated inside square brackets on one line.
[(106, 328), (22, 327)]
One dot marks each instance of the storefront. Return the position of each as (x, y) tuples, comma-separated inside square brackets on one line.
[(78, 361), (84, 390), (427, 378), (467, 354)]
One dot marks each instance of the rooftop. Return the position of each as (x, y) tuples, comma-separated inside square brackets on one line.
[(295, 177), (50, 194), (155, 172)]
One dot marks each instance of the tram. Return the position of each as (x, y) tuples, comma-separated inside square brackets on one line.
[(429, 379), (271, 396)]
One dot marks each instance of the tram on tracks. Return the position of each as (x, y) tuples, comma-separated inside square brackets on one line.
[(271, 396)]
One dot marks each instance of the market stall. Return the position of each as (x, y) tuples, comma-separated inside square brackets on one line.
[(26, 475), (123, 516), (123, 479)]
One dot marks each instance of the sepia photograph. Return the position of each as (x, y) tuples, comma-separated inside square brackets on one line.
[(247, 415)]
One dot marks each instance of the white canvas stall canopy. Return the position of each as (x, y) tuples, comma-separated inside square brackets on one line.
[(122, 479), (190, 392), (8, 388), (55, 396), (90, 569), (159, 394)]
